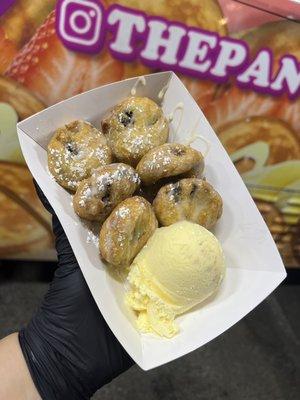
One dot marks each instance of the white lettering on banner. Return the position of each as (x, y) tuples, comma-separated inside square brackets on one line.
[(164, 44), (232, 54), (127, 23), (156, 41), (259, 71), (197, 50), (289, 75)]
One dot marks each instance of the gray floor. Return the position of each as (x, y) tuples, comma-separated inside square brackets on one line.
[(257, 359)]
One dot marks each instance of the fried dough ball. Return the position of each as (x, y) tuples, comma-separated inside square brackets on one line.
[(75, 151), (170, 159), (98, 195), (134, 127), (126, 231), (192, 199)]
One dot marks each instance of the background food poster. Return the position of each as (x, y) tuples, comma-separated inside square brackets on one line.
[(261, 132)]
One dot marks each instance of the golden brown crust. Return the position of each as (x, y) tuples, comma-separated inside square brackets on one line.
[(150, 192), (126, 231), (98, 195), (20, 98), (282, 140), (25, 225), (134, 127), (75, 151), (190, 199), (170, 159), (24, 17), (282, 37)]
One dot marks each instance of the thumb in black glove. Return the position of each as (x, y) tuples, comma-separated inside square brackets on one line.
[(69, 349)]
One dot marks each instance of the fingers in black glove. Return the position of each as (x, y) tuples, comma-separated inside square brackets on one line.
[(69, 348)]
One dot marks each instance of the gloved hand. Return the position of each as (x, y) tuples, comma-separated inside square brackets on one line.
[(68, 347)]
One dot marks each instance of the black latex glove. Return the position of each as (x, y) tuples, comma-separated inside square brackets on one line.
[(69, 349)]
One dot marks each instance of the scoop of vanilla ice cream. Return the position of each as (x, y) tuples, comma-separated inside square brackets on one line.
[(181, 265)]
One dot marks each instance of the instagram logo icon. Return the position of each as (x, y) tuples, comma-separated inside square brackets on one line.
[(79, 24)]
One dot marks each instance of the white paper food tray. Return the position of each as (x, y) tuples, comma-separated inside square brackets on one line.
[(254, 267)]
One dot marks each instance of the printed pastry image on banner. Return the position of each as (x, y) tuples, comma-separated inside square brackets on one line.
[(240, 61)]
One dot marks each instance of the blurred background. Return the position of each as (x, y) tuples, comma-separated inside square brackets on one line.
[(259, 357)]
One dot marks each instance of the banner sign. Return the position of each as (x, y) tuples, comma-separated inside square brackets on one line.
[(84, 25), (238, 59)]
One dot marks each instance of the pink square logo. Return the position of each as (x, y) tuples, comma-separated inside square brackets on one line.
[(79, 24)]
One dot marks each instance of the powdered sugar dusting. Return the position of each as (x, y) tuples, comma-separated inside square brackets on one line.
[(164, 156), (92, 235), (74, 150), (123, 212), (100, 182), (174, 191), (92, 238), (159, 160)]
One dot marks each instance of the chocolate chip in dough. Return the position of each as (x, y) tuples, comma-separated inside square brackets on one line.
[(126, 118), (71, 147), (177, 151), (175, 192), (194, 189)]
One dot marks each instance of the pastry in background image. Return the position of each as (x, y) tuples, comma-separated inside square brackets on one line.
[(75, 151), (21, 99), (25, 225), (281, 37), (134, 127), (7, 51), (126, 231), (276, 190), (271, 136), (203, 91), (262, 134), (235, 104), (53, 73), (296, 245), (16, 103), (9, 144), (23, 18), (285, 235), (289, 111), (243, 118), (270, 182)]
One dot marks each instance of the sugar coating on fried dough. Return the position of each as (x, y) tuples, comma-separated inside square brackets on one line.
[(169, 159), (192, 199), (97, 196), (75, 151), (126, 231), (134, 127)]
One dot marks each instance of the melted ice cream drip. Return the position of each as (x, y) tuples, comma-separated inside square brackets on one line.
[(140, 80), (178, 108), (194, 136), (163, 91)]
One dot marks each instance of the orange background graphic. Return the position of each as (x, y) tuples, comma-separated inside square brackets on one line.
[(261, 133)]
